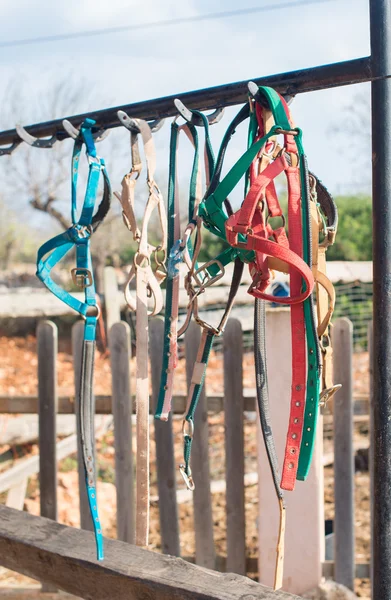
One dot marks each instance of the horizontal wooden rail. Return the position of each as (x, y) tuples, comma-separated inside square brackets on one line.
[(66, 404), (65, 557)]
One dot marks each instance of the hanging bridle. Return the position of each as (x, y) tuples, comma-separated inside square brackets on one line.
[(148, 283), (78, 236)]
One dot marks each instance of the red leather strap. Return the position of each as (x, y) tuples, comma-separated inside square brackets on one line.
[(269, 248), (256, 192), (298, 391), (250, 222)]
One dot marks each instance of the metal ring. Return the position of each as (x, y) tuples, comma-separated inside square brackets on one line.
[(188, 428), (95, 308)]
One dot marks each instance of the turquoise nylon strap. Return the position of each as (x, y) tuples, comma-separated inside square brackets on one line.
[(53, 251)]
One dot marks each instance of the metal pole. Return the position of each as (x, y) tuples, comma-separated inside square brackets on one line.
[(380, 25), (344, 546), (293, 82)]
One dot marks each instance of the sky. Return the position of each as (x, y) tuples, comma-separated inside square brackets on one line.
[(121, 68)]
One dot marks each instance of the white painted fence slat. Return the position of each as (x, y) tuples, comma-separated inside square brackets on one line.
[(165, 460), (120, 354)]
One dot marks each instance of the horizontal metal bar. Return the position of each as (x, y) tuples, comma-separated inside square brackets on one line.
[(291, 83)]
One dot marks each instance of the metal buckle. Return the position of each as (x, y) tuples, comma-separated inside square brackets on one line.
[(93, 311), (82, 277), (279, 131), (188, 479), (327, 394), (208, 281), (81, 232), (190, 428)]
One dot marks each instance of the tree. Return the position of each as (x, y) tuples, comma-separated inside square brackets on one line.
[(41, 177), (354, 237)]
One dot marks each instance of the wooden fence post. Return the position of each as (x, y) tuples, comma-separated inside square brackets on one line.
[(47, 348), (77, 348), (203, 518), (120, 354), (304, 537), (234, 447), (344, 569), (112, 307), (165, 459)]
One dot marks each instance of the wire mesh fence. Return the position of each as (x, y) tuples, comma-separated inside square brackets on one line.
[(354, 300)]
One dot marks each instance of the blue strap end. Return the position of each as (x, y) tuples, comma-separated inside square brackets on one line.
[(175, 257), (91, 491)]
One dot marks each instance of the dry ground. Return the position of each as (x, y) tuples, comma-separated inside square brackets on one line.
[(18, 377)]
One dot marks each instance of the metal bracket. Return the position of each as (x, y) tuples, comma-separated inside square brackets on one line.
[(253, 89), (194, 119), (131, 124), (74, 132), (25, 136), (9, 149)]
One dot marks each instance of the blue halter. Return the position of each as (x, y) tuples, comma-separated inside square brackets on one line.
[(53, 251)]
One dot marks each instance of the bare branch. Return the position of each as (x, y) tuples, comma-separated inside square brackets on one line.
[(47, 207)]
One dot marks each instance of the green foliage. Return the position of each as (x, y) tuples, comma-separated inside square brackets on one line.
[(354, 236), (18, 242), (353, 240), (211, 246), (69, 464)]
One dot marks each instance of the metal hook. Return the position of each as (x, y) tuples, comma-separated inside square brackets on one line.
[(130, 123), (253, 89), (190, 117), (9, 149), (74, 132), (33, 141)]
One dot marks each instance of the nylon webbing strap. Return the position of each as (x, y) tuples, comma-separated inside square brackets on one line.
[(50, 253), (313, 352), (176, 251)]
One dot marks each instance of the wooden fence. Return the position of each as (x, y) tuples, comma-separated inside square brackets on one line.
[(233, 403)]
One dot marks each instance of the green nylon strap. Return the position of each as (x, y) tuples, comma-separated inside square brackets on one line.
[(313, 363), (193, 177), (188, 440), (211, 209), (251, 135), (170, 282), (171, 236), (276, 106)]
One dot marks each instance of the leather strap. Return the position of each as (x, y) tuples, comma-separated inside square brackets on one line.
[(155, 201), (147, 284)]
